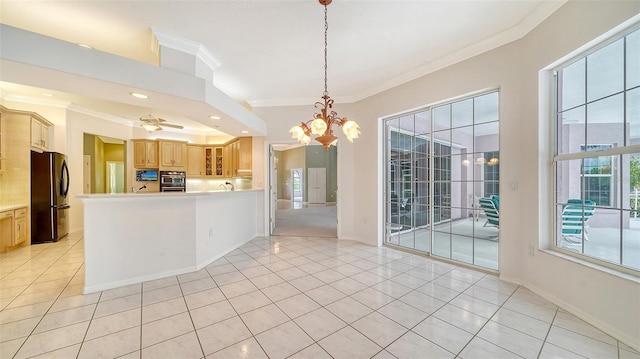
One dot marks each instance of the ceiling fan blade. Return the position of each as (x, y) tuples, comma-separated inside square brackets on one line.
[(164, 124)]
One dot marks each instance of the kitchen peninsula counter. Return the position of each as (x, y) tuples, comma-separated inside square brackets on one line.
[(136, 237)]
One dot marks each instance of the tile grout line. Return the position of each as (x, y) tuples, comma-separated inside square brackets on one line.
[(52, 303), (544, 341), (487, 322)]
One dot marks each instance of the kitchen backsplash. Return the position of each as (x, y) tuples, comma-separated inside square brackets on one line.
[(199, 184)]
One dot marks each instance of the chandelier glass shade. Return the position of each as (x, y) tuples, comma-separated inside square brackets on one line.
[(321, 123)]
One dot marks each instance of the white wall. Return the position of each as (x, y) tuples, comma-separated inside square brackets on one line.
[(513, 69)]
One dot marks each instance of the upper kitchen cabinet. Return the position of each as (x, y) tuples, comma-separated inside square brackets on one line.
[(237, 157), (194, 161), (39, 133), (145, 154), (245, 149), (2, 154), (173, 155), (213, 160)]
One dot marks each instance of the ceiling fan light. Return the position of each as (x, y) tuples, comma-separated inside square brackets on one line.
[(318, 126), (151, 127)]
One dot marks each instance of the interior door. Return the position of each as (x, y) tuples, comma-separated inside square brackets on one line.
[(317, 185)]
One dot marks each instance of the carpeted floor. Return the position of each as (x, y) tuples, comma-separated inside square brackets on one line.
[(315, 220)]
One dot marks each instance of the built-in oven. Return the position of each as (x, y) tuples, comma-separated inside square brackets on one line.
[(173, 181)]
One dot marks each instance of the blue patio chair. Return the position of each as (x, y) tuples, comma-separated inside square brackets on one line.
[(575, 215), (490, 207)]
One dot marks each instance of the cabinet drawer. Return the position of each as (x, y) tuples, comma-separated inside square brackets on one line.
[(6, 214), (20, 212)]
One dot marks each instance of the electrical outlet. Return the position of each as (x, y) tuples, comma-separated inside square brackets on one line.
[(210, 232), (531, 250)]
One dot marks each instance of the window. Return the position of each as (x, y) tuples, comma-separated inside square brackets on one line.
[(596, 154), (598, 176)]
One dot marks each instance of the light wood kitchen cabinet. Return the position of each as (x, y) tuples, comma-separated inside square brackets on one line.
[(213, 162), (244, 156), (145, 154), (39, 133), (226, 165), (173, 155), (195, 162), (13, 228), (19, 225), (237, 157), (2, 142), (6, 230)]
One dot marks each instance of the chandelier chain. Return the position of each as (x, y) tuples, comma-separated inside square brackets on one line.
[(326, 27)]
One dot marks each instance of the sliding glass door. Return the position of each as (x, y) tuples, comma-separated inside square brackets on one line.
[(442, 169)]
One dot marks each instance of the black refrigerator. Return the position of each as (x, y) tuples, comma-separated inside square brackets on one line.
[(49, 197)]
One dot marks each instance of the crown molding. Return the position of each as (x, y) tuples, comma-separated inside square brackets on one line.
[(34, 100), (184, 45)]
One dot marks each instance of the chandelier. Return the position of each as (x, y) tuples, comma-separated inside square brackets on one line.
[(322, 121)]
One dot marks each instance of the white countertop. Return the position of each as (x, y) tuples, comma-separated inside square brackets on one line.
[(143, 194), (12, 207)]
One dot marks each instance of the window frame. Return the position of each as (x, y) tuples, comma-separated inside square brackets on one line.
[(613, 151)]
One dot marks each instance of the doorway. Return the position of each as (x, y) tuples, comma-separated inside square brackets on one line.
[(103, 168), (297, 194), (114, 177), (292, 169)]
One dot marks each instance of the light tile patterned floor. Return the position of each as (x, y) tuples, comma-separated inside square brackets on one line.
[(283, 297)]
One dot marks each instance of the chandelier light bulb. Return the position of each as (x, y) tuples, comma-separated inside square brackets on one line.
[(296, 132), (350, 129), (305, 140), (318, 126)]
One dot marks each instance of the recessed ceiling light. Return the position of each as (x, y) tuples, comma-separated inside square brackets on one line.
[(244, 131), (85, 46), (47, 94), (138, 95), (214, 117)]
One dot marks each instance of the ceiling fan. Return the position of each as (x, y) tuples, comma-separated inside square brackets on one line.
[(151, 123)]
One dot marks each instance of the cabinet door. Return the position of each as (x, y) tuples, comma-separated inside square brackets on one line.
[(44, 136), (36, 133), (139, 154), (20, 230), (244, 153), (235, 157), (179, 154), (226, 158), (194, 161), (166, 152), (208, 161), (2, 142), (6, 230), (219, 161), (151, 154)]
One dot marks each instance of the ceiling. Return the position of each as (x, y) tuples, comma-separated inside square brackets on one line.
[(271, 52)]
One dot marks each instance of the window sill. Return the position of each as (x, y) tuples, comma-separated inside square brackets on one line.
[(594, 266)]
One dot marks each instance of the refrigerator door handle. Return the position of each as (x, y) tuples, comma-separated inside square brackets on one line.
[(65, 179)]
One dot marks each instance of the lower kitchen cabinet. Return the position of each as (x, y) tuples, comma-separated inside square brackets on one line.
[(13, 228)]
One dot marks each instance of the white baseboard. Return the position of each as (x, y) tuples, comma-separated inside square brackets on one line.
[(136, 280), (510, 279), (224, 253), (630, 341)]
